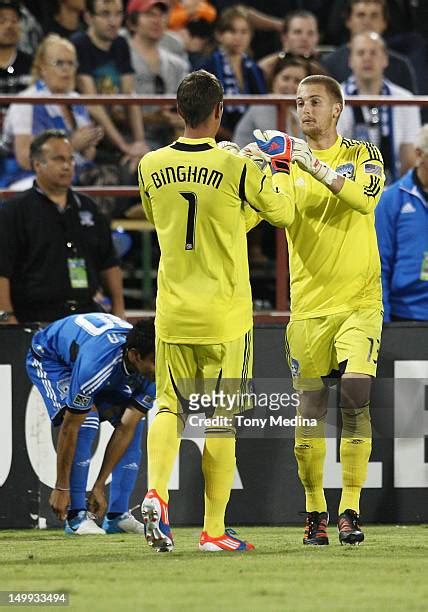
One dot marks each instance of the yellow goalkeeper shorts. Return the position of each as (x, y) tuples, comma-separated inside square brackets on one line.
[(332, 345), (185, 369)]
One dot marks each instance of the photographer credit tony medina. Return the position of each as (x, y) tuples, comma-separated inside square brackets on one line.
[(240, 420), (225, 410)]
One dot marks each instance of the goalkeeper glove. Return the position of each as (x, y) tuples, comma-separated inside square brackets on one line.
[(228, 146), (253, 152), (277, 146), (306, 160)]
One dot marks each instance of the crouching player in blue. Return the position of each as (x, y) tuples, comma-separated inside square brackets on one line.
[(91, 368)]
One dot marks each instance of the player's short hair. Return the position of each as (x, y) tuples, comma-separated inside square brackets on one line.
[(142, 337), (38, 142), (297, 14), (350, 5), (332, 87), (197, 95)]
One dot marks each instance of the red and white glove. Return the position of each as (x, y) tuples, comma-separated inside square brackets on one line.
[(277, 146), (307, 161), (252, 151)]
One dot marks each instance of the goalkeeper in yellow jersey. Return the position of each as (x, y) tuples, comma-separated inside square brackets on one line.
[(201, 199), (336, 301)]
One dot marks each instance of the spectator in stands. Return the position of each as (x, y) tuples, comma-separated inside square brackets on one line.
[(407, 32), (299, 38), (15, 65), (55, 247), (286, 76), (157, 71), (54, 72), (199, 43), (364, 16), (402, 233), (237, 73), (266, 23), (65, 19), (392, 129), (105, 68)]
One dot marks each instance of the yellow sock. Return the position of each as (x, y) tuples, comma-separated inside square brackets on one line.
[(355, 449), (310, 449), (218, 466), (163, 442)]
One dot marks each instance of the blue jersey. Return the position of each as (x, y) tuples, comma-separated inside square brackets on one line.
[(86, 352)]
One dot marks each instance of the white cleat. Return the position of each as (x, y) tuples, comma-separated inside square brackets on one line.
[(125, 523), (155, 518), (83, 524)]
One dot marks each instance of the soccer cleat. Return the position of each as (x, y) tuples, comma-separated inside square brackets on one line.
[(316, 528), (228, 541), (83, 524), (124, 523), (156, 522), (348, 525)]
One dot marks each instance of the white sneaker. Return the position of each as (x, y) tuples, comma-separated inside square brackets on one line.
[(124, 523), (83, 524)]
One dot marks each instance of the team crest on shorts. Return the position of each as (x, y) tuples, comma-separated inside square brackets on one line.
[(295, 368), (346, 170), (82, 401), (63, 387)]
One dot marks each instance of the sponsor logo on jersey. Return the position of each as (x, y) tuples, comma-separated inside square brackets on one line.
[(82, 401), (295, 368), (373, 169), (407, 208), (346, 170)]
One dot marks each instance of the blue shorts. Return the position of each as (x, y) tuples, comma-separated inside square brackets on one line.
[(52, 380)]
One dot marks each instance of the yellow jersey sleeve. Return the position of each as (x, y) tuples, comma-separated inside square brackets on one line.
[(145, 200), (268, 200), (363, 193), (252, 218)]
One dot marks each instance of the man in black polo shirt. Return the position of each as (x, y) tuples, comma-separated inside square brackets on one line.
[(55, 247)]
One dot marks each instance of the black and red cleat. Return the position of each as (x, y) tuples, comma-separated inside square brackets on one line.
[(349, 528), (316, 529)]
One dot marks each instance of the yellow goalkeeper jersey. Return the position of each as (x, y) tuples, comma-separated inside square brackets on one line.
[(201, 200), (333, 252)]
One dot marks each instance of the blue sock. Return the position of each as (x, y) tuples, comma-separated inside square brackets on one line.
[(125, 474), (82, 459)]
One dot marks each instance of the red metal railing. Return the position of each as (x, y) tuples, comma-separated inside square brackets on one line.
[(281, 102)]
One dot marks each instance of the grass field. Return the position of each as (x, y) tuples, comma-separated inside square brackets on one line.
[(108, 573)]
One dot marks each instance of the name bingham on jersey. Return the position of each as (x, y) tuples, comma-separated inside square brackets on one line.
[(187, 174)]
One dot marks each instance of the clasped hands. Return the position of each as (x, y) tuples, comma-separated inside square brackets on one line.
[(280, 150)]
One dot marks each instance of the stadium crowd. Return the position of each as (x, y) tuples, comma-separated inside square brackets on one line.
[(372, 47)]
